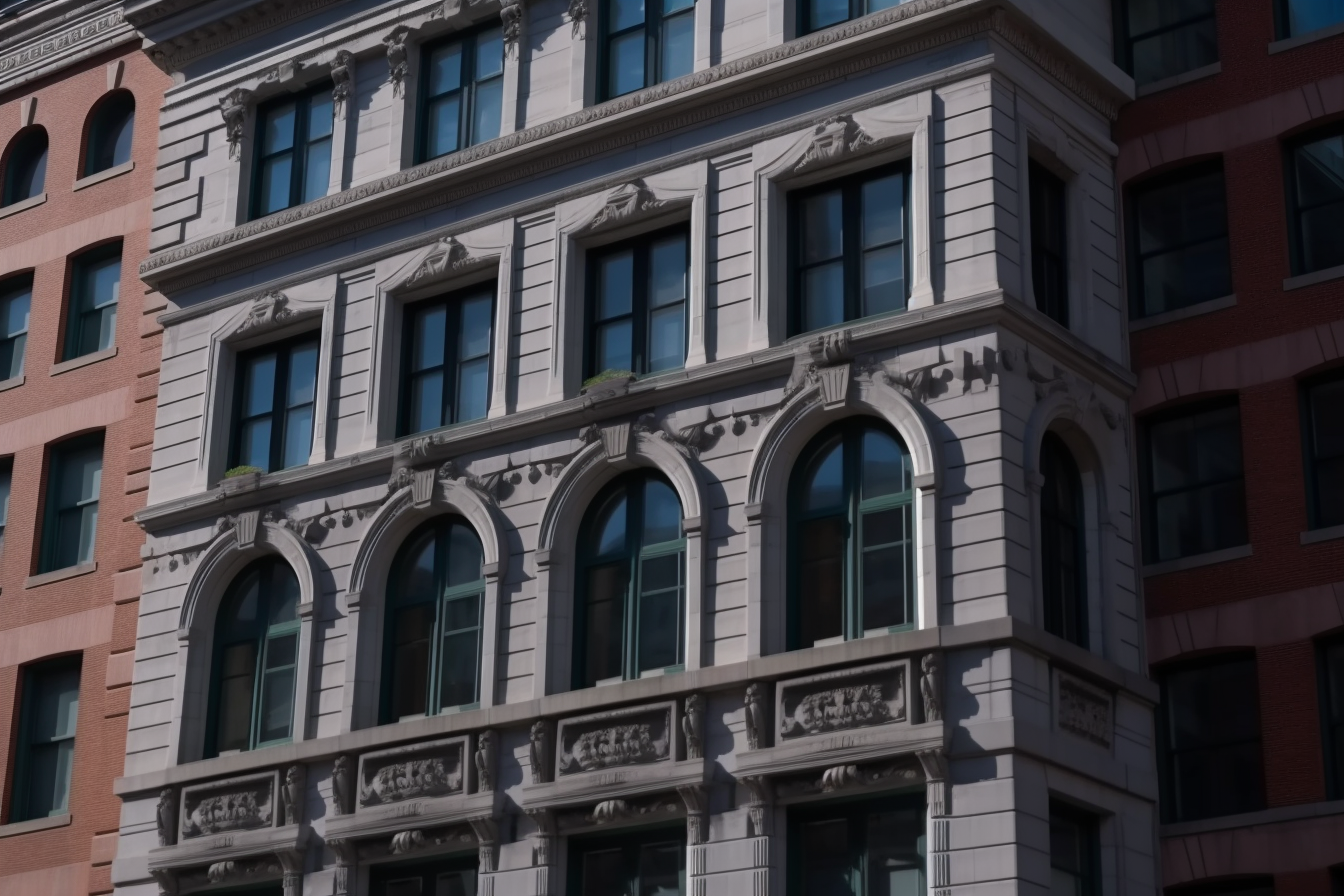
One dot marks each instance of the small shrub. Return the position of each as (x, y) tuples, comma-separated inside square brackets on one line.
[(606, 376), (241, 471)]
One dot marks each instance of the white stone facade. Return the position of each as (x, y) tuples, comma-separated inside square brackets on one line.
[(986, 713)]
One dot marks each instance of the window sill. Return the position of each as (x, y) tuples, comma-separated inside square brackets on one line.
[(105, 174), (1292, 43), (1259, 818), (30, 202), (1315, 536), (1322, 276), (1189, 311), (60, 575), (34, 824), (1196, 560), (83, 361), (13, 382), (1195, 74)]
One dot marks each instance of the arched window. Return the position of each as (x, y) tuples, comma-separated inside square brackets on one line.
[(435, 599), (1063, 550), (851, 540), (630, 613), (110, 131), (255, 660), (26, 166)]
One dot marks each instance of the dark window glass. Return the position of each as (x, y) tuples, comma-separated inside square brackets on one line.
[(851, 537), (462, 90), (446, 356), (1074, 848), (649, 863), (46, 742), (16, 300), (632, 579), (816, 14), (436, 598), (1305, 16), (638, 293), (1163, 38), (453, 876), (1196, 491), (866, 848), (1178, 240), (255, 660), (293, 151), (1316, 198), (849, 255), (26, 167), (1323, 405), (273, 405), (6, 481), (1331, 659), (111, 129), (74, 478), (1063, 549), (1209, 725), (645, 42), (95, 288), (1049, 224)]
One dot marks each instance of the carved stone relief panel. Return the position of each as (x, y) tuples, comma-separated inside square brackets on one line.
[(638, 736), (432, 769), (1083, 710), (841, 701), (237, 804)]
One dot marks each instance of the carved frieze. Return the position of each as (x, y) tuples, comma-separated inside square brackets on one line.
[(397, 63), (639, 736), (268, 309), (842, 701), (1083, 710), (833, 140), (432, 769), (237, 804), (342, 81), (446, 256), (624, 202)]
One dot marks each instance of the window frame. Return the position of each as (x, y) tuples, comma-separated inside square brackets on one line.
[(1297, 263), (80, 309), (629, 843), (96, 136), (1283, 21), (1057, 622), (425, 869), (57, 459), (283, 350), (640, 310), (852, 809), (468, 84), (21, 143), (20, 808), (1124, 43), (1309, 458), (1089, 825), (654, 18), (11, 288), (1056, 307), (1332, 730), (453, 303), (302, 100)]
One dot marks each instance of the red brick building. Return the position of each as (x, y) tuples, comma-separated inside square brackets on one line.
[(79, 351), (1232, 162)]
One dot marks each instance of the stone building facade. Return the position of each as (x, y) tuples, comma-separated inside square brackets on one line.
[(674, 486)]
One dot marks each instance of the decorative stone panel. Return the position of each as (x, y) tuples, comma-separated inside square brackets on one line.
[(435, 769), (1083, 710), (237, 804), (842, 701), (624, 737)]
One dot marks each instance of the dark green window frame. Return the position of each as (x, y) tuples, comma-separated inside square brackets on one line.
[(1321, 203), (70, 523), (396, 878), (1330, 687), (110, 133), (815, 15), (1063, 543), (634, 857), (16, 303), (46, 742), (272, 634), (422, 675), (1075, 851), (846, 529), (1294, 18), (308, 150), (95, 292), (643, 316), (292, 412), (478, 89), (634, 561), (1049, 241), (463, 341), (25, 165), (1322, 403), (837, 841), (1190, 28), (664, 22)]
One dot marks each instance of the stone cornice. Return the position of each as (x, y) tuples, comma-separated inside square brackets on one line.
[(72, 38), (221, 32)]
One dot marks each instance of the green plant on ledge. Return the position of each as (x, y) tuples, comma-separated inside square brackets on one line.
[(607, 376), (242, 471)]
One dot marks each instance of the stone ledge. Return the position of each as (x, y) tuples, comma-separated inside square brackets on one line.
[(1279, 815), (1197, 560), (83, 361), (59, 575), (18, 828), (1316, 536), (13, 382), (1325, 275), (1298, 40), (30, 202), (1176, 314), (1195, 74), (106, 174)]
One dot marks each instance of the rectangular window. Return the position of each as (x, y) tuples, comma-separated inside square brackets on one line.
[(1164, 38), (638, 293), (453, 876), (1178, 241), (849, 255), (6, 480), (16, 299), (1196, 499), (446, 358), (867, 848), (293, 151), (95, 286), (1330, 659), (74, 478), (1316, 201), (813, 15), (1323, 425), (1209, 734), (46, 742), (462, 93), (273, 405), (649, 863), (645, 42), (1074, 851), (1049, 224), (1305, 16)]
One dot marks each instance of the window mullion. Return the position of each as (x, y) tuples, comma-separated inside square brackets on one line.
[(278, 414), (851, 217), (854, 541), (635, 546), (639, 308), (259, 665), (452, 334)]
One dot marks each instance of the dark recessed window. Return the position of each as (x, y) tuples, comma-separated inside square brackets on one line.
[(462, 90), (255, 660), (26, 166), (1063, 548), (293, 151), (45, 757), (74, 480), (452, 876), (864, 848), (1209, 727), (1178, 241), (16, 300), (849, 255), (447, 360), (111, 129), (1164, 38), (1316, 201), (1049, 225), (630, 616), (1075, 845), (274, 399), (851, 540), (95, 288), (6, 482), (645, 42), (436, 595), (1330, 656), (1195, 501), (648, 863), (638, 293), (1323, 425), (814, 15), (1305, 16)]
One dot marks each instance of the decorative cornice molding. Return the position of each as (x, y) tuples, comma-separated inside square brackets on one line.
[(39, 50), (240, 25)]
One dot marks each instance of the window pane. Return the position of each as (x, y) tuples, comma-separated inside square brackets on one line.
[(614, 351), (254, 444), (883, 210), (278, 131), (825, 489), (276, 177), (604, 873), (56, 699), (445, 69), (238, 667), (1182, 243), (1170, 37), (886, 470), (298, 436), (489, 53), (456, 883), (412, 629), (626, 63), (821, 585), (1309, 15), (678, 47), (1212, 730), (48, 779), (283, 602), (895, 867), (1326, 444), (611, 528), (884, 280), (823, 229), (302, 382), (487, 111), (442, 120), (662, 513), (824, 853), (459, 663), (667, 339), (660, 869), (277, 692), (667, 271), (1322, 237), (465, 558), (119, 139), (823, 296), (258, 385), (319, 116), (103, 282), (473, 390), (884, 574), (823, 13), (660, 612), (475, 336), (316, 170), (607, 586), (615, 288), (625, 14)]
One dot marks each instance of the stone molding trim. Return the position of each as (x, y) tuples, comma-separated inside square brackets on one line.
[(38, 53), (242, 23)]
